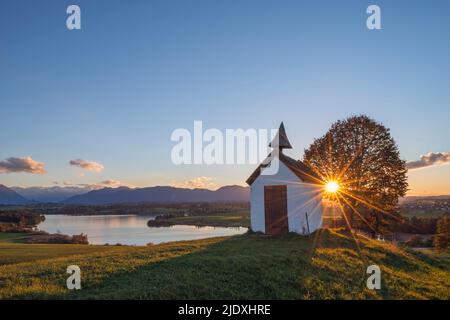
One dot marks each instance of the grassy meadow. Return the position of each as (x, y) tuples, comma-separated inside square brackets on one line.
[(248, 266)]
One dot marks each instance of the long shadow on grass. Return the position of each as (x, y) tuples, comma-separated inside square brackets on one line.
[(240, 267), (247, 267)]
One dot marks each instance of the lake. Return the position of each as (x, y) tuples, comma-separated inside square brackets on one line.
[(128, 229)]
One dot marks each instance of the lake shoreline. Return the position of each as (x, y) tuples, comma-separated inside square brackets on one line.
[(130, 229)]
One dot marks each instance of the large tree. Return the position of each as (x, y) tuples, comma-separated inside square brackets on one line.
[(362, 157)]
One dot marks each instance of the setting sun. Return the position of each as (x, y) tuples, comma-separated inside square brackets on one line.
[(332, 187)]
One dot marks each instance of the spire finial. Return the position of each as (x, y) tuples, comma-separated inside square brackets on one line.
[(281, 140)]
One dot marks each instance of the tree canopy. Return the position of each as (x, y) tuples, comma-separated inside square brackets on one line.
[(362, 157)]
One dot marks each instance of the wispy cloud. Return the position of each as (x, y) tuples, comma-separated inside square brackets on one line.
[(91, 186), (200, 182), (26, 164), (87, 165), (111, 183), (429, 159)]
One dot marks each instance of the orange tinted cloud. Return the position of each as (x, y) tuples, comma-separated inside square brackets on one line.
[(429, 159), (111, 183), (26, 164), (87, 165), (200, 182), (91, 186)]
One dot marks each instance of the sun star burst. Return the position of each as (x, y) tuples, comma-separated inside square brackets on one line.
[(332, 187)]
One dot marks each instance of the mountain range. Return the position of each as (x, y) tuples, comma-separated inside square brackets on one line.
[(82, 196), (160, 194), (87, 196), (9, 196), (50, 194)]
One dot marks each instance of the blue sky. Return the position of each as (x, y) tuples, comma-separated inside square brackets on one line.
[(114, 91)]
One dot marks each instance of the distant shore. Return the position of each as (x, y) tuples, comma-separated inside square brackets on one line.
[(227, 219)]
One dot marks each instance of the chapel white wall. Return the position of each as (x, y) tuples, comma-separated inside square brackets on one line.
[(301, 198)]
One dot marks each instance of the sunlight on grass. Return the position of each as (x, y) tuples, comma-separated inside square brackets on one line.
[(239, 267)]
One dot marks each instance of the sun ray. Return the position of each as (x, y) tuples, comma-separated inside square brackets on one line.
[(351, 230), (357, 212), (305, 204), (372, 205)]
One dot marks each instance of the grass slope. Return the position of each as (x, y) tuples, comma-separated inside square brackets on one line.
[(246, 266)]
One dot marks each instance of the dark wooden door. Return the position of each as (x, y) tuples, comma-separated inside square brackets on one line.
[(275, 204)]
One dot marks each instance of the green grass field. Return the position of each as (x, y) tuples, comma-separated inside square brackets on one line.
[(226, 219), (246, 266)]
